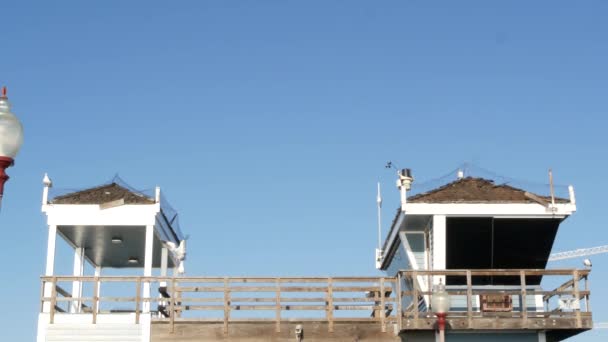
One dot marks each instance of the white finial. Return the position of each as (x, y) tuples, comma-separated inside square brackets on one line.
[(47, 181), (45, 191)]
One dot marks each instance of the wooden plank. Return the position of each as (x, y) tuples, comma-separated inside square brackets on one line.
[(53, 300), (222, 307), (200, 289), (42, 296), (378, 308), (226, 304), (536, 199), (469, 298), (95, 300), (355, 288), (137, 299), (577, 295), (523, 303), (206, 300), (358, 299), (329, 310), (278, 306), (587, 304), (382, 312), (399, 303), (172, 306), (494, 272)]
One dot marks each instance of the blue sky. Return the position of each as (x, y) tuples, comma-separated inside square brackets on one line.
[(268, 123)]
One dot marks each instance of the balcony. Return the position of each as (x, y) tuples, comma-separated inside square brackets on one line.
[(385, 306)]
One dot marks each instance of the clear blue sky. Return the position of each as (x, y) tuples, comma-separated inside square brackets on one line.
[(268, 123)]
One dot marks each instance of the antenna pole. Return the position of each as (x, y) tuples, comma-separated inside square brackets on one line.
[(551, 186), (379, 202)]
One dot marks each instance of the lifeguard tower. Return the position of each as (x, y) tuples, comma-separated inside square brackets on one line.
[(465, 259), (115, 228), (486, 245)]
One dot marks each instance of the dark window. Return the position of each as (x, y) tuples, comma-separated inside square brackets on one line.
[(488, 243)]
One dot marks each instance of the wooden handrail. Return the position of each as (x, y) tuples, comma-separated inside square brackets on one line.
[(355, 297)]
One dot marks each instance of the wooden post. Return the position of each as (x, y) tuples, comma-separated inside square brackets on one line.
[(77, 284), (382, 306), (577, 295), (226, 305), (278, 305), (523, 302), (172, 305), (330, 305), (53, 300), (587, 304), (178, 298), (137, 299), (95, 299), (42, 301), (469, 298), (50, 265), (399, 303)]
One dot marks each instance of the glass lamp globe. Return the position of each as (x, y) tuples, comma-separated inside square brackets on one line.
[(11, 131), (440, 299)]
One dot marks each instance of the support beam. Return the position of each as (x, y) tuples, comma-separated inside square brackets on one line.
[(77, 285), (164, 261), (50, 265), (148, 266), (439, 246), (98, 274)]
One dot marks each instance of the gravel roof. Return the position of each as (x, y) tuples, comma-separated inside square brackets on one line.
[(103, 194), (476, 190)]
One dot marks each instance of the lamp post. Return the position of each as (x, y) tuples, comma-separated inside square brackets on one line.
[(441, 306), (11, 139)]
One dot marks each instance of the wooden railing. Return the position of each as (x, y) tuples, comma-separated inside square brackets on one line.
[(401, 300), (569, 301), (234, 299)]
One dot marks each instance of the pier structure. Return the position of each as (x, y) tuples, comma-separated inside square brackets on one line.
[(488, 245)]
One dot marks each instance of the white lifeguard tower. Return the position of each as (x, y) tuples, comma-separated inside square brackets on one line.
[(115, 228), (485, 245)]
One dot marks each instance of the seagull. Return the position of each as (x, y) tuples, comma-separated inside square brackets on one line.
[(587, 263)]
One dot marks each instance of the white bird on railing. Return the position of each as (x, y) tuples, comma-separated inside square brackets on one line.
[(179, 252), (587, 263)]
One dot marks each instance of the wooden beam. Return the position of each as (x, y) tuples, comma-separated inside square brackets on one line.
[(537, 199)]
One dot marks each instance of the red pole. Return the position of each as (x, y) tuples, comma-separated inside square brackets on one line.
[(441, 325), (5, 162)]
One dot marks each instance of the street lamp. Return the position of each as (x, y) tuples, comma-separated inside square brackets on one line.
[(11, 138), (441, 305)]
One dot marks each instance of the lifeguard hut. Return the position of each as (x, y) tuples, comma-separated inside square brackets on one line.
[(115, 229), (487, 243), (480, 246)]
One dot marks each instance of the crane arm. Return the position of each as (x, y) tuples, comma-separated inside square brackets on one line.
[(578, 253), (603, 325)]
